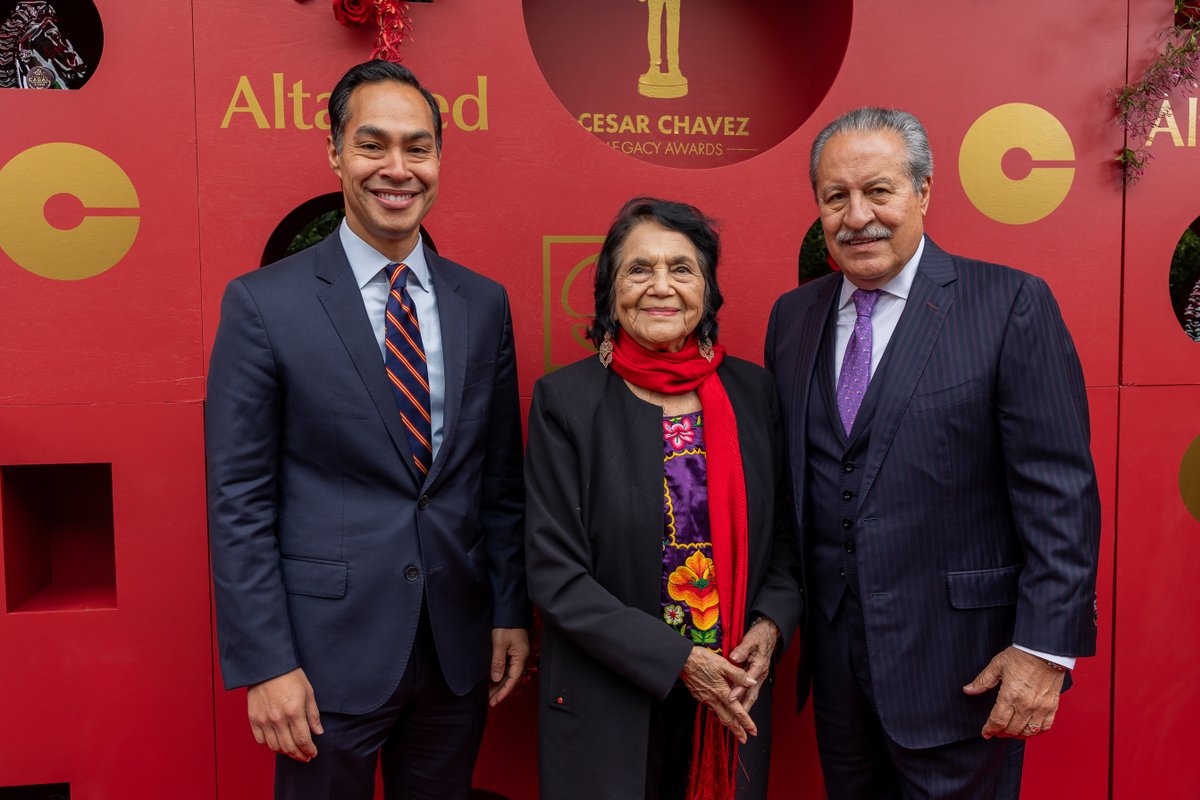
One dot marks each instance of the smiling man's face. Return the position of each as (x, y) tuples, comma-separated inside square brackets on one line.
[(388, 165), (872, 216)]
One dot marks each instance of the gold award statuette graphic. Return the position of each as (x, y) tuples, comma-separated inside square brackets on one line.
[(109, 203), (654, 82)]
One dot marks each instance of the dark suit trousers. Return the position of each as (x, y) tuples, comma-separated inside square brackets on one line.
[(424, 737), (858, 758)]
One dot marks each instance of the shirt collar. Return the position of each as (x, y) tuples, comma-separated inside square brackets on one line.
[(366, 261), (898, 286)]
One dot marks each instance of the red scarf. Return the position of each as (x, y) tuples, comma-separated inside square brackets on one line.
[(714, 748)]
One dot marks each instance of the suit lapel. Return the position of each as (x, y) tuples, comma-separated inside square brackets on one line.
[(455, 324), (925, 312), (342, 300), (810, 334), (642, 482)]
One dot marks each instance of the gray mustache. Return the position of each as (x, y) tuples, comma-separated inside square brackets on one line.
[(869, 232)]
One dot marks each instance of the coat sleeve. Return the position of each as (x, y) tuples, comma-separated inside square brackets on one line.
[(628, 641), (501, 514), (1041, 406), (242, 440), (781, 596)]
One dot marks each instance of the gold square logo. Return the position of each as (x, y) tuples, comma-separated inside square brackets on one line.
[(568, 266)]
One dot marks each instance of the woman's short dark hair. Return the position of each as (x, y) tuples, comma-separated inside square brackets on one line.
[(680, 217), (377, 71)]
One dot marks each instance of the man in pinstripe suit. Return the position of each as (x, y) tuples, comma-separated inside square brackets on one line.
[(943, 484)]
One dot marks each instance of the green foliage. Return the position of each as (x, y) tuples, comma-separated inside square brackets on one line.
[(1138, 105), (1185, 270), (316, 231), (814, 255)]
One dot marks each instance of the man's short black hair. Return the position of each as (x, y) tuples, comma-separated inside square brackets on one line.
[(376, 71)]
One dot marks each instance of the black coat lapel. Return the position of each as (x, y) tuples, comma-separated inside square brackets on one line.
[(908, 352), (810, 336), (340, 295)]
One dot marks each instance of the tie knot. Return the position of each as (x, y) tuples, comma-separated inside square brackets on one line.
[(864, 301), (395, 272)]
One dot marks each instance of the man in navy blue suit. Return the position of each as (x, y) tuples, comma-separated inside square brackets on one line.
[(943, 484), (365, 489)]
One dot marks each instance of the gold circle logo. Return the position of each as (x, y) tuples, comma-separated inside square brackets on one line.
[(1016, 126), (109, 200), (1189, 478)]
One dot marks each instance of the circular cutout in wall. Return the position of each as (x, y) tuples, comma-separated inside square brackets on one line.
[(814, 258), (49, 44), (687, 83), (1185, 281)]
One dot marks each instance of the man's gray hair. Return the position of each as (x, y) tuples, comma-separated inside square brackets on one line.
[(871, 120)]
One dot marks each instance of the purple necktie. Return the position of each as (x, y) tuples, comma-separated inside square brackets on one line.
[(856, 364)]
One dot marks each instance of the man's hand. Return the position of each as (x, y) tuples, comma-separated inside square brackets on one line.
[(1028, 699), (754, 653), (283, 715), (708, 677), (510, 651)]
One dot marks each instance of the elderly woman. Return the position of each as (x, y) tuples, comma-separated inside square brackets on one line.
[(658, 543)]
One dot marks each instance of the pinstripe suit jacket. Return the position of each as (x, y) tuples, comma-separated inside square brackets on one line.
[(979, 517)]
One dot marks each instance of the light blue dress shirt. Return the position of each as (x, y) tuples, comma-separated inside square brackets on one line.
[(370, 271)]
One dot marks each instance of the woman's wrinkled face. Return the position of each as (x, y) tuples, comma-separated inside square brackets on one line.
[(659, 287)]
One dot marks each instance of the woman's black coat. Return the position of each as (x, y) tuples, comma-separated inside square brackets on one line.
[(594, 528)]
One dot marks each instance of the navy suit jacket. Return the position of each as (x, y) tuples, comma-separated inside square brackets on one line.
[(978, 516), (324, 537)]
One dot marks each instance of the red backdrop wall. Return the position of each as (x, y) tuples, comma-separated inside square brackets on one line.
[(127, 205)]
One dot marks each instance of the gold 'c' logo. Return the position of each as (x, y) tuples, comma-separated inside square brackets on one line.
[(95, 244), (996, 134)]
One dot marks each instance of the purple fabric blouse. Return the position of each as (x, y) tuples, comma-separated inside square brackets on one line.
[(689, 591)]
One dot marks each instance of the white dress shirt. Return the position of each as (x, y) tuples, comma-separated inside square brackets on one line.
[(370, 271), (893, 296)]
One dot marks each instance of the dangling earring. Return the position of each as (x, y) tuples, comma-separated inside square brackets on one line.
[(706, 351), (606, 348)]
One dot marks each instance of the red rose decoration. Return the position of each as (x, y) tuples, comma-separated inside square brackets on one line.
[(394, 28), (353, 13)]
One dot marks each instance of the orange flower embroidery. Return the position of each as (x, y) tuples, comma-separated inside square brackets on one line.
[(694, 583)]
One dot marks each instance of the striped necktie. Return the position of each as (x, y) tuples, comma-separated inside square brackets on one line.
[(406, 369)]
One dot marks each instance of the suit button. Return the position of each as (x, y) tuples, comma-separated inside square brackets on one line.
[(847, 495), (412, 573), (846, 523), (423, 503), (848, 545), (841, 573), (848, 466)]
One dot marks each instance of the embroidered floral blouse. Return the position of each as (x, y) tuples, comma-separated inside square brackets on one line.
[(689, 591)]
